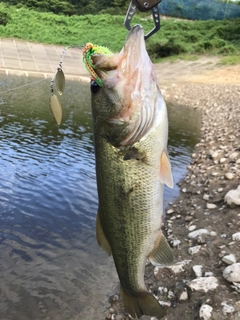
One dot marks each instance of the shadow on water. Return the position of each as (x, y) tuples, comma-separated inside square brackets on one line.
[(51, 266)]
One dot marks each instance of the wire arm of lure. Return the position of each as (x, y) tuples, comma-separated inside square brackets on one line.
[(144, 6), (59, 68)]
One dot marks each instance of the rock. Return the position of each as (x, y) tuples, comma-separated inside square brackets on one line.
[(229, 259), (203, 284), (177, 268), (213, 234), (208, 274), (165, 303), (192, 227), (170, 211), (222, 160), (206, 197), (196, 233), (171, 295), (211, 206), (197, 270), (176, 243), (227, 309), (236, 286), (205, 312), (229, 175), (162, 290), (216, 154), (236, 236), (232, 273), (233, 196), (233, 156), (194, 250), (183, 295), (237, 306)]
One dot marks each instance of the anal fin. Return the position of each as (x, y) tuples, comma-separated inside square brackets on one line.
[(162, 253), (101, 239), (142, 303)]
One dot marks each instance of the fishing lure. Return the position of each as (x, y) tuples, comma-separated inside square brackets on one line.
[(88, 51)]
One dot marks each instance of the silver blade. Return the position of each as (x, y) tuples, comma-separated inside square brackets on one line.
[(56, 109), (60, 81)]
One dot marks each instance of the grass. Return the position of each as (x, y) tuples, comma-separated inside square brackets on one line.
[(185, 39), (230, 60)]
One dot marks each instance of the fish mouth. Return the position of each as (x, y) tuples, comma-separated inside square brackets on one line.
[(132, 56), (130, 76)]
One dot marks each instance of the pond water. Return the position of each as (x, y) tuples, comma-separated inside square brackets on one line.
[(51, 267)]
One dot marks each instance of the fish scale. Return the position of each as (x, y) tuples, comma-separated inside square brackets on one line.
[(131, 172)]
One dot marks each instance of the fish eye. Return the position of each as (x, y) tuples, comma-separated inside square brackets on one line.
[(94, 86)]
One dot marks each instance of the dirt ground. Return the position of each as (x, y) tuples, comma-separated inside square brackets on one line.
[(214, 170)]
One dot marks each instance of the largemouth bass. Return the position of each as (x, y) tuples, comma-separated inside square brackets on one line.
[(130, 135)]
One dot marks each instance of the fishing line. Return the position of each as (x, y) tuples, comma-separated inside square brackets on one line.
[(24, 85)]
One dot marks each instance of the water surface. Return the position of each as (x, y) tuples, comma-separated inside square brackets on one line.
[(50, 264)]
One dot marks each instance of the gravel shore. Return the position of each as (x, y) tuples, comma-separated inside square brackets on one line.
[(202, 228)]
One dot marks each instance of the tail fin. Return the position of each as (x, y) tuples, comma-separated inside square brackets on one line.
[(142, 303)]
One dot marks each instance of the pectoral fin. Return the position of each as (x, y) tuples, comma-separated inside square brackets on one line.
[(165, 170), (101, 239), (162, 253)]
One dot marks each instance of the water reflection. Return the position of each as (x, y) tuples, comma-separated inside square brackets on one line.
[(51, 266)]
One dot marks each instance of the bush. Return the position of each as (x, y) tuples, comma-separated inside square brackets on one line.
[(170, 48), (4, 18)]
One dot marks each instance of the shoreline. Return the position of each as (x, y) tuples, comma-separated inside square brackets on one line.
[(214, 170)]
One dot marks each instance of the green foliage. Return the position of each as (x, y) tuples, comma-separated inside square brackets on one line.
[(4, 17), (70, 7), (174, 38)]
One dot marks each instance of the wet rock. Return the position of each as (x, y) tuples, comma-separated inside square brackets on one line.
[(205, 312), (204, 284), (233, 197), (229, 259), (232, 273)]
